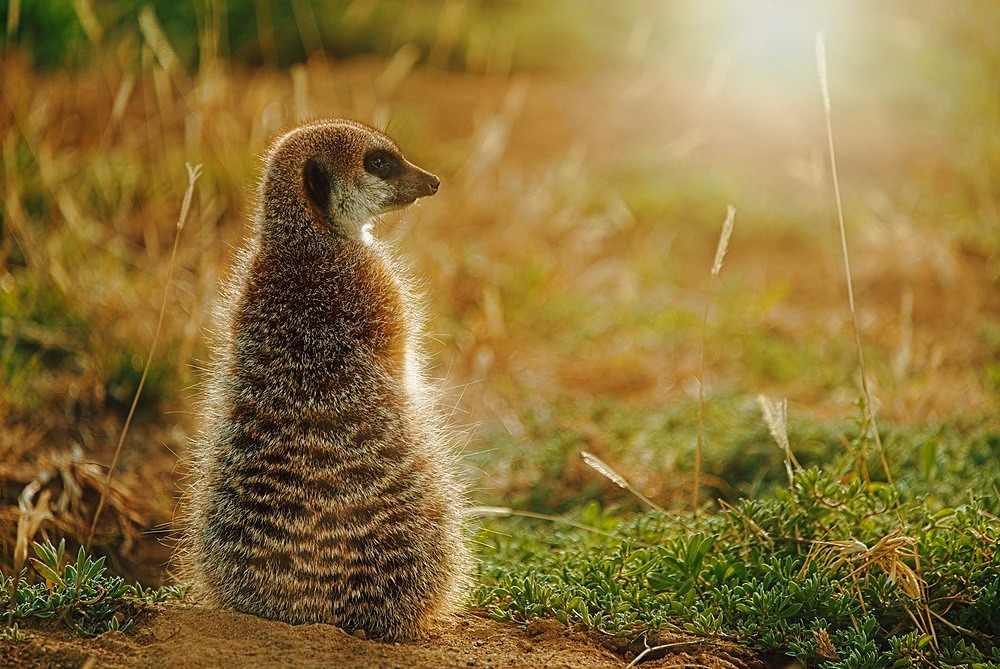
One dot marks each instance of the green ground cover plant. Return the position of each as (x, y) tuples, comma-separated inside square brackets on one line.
[(833, 570), (78, 593)]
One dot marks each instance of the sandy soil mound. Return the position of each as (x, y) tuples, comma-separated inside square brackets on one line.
[(192, 636)]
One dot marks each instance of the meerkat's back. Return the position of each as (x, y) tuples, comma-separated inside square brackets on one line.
[(324, 489)]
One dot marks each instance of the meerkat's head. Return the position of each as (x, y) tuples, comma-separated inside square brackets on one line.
[(338, 174)]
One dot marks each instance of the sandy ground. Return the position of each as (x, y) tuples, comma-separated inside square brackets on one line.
[(191, 636)]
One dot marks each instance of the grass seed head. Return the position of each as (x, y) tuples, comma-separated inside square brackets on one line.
[(724, 237), (604, 469)]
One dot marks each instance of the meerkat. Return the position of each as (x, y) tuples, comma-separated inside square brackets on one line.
[(323, 486)]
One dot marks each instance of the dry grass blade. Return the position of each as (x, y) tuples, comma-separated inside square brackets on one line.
[(723, 247), (865, 389), (150, 28), (397, 69), (193, 174), (507, 512), (88, 21), (13, 20), (824, 646), (605, 470), (667, 646), (33, 514), (300, 92), (720, 256), (776, 417), (887, 554)]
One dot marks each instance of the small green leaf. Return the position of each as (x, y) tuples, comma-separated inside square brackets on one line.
[(81, 562), (660, 582), (592, 514), (928, 458), (46, 572)]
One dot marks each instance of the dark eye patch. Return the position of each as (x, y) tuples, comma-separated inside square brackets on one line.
[(383, 164), (317, 183)]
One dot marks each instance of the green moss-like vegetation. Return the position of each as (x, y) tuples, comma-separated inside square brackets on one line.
[(832, 571)]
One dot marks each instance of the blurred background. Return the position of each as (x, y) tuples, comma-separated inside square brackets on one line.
[(588, 152)]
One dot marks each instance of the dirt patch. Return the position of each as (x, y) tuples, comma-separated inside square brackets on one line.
[(191, 636)]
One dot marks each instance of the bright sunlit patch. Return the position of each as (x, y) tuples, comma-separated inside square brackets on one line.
[(366, 233), (774, 29), (770, 38)]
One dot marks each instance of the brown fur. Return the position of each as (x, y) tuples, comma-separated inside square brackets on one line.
[(323, 489)]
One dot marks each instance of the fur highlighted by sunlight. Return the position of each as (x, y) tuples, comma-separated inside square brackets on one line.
[(324, 486)]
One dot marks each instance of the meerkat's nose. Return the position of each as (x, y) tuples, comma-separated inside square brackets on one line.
[(433, 183)]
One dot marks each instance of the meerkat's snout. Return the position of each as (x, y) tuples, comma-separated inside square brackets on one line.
[(433, 183), (411, 184), (421, 182)]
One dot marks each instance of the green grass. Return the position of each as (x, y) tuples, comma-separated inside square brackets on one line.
[(832, 571), (652, 447)]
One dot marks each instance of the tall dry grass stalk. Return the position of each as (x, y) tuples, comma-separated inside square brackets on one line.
[(193, 173), (32, 515), (507, 512), (157, 40), (84, 11), (396, 71), (724, 237), (13, 20), (869, 408), (720, 257), (605, 470), (923, 617), (776, 417)]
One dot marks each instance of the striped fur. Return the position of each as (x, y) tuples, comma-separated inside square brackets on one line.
[(323, 487)]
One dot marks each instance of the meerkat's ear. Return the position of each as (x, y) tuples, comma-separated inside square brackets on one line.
[(317, 183)]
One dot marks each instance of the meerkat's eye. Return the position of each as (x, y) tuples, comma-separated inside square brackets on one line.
[(383, 164)]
